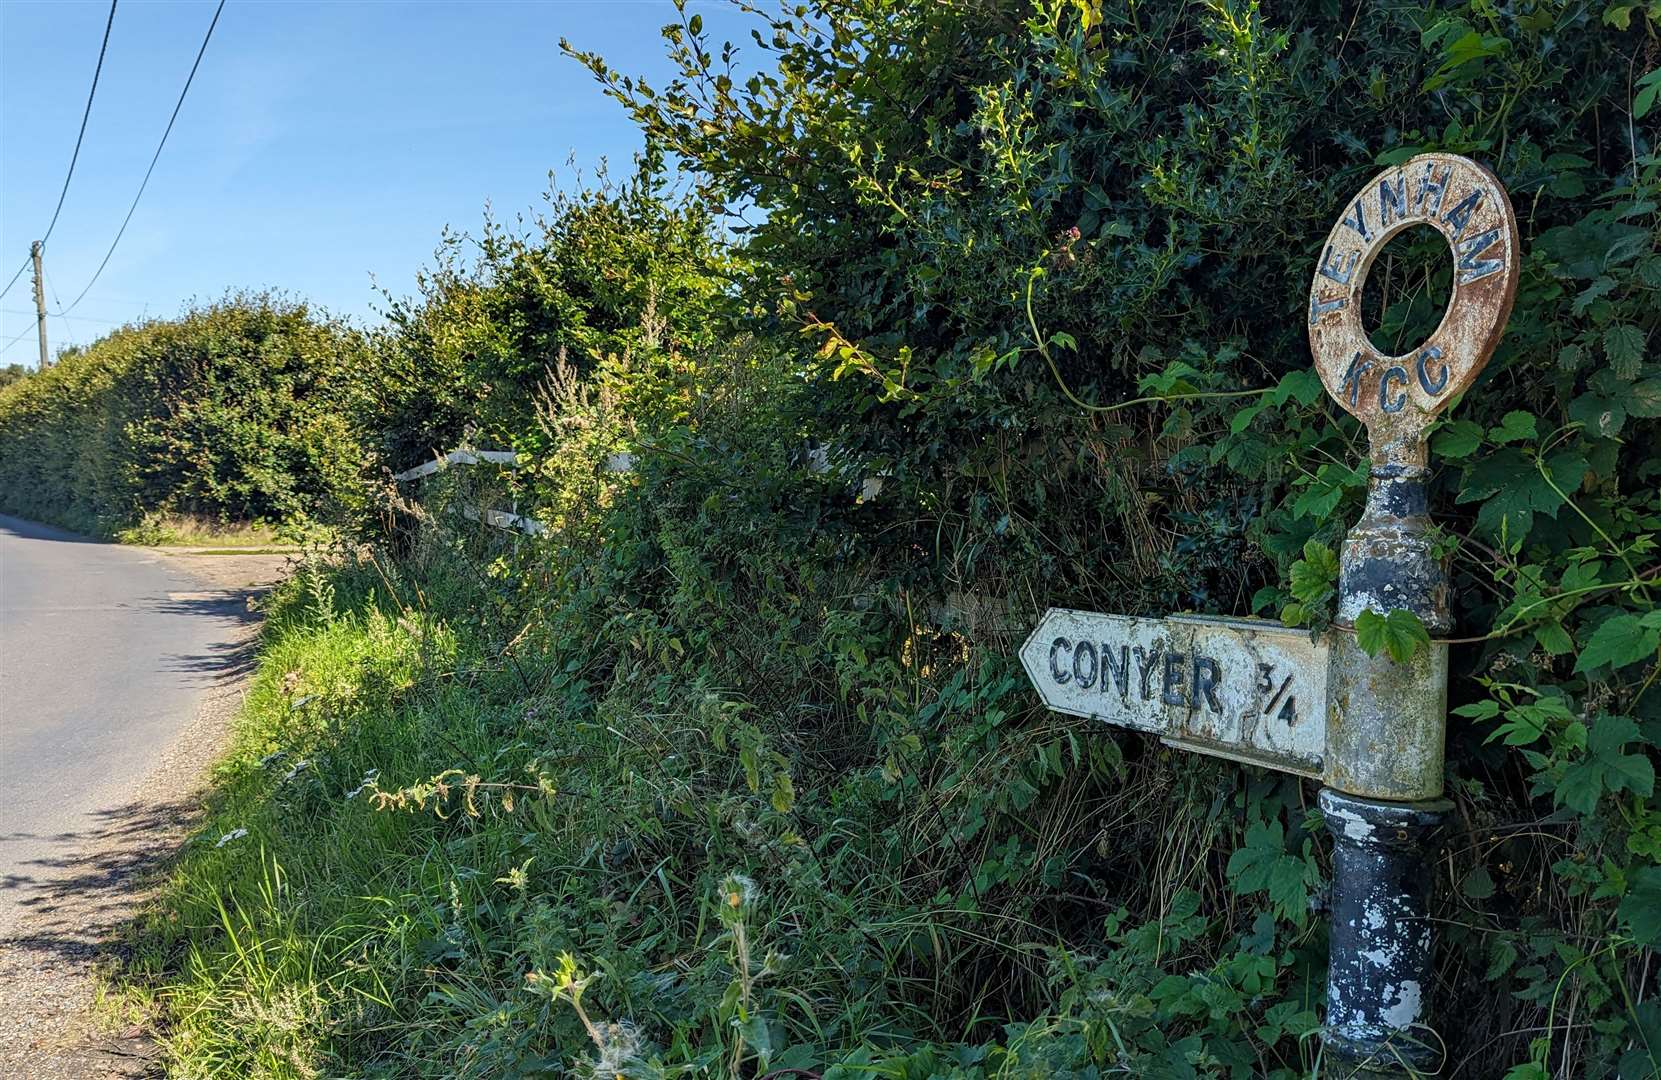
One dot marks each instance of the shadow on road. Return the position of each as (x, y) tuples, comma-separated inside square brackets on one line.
[(33, 530), (225, 661), (81, 896)]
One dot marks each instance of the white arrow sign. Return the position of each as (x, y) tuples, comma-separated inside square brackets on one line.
[(1245, 689)]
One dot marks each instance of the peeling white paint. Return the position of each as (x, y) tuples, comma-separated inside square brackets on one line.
[(1409, 1001)]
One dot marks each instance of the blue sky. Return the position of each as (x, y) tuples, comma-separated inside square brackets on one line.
[(320, 143)]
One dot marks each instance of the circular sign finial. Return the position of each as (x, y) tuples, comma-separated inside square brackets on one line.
[(1397, 396)]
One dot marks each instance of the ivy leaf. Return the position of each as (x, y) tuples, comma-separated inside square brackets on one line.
[(1400, 634), (1625, 346), (1618, 641), (1459, 439)]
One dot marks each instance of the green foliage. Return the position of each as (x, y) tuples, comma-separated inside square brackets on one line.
[(233, 413), (1399, 633), (613, 270), (1039, 269)]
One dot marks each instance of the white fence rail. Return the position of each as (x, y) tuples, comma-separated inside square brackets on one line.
[(500, 519), (459, 457), (818, 461)]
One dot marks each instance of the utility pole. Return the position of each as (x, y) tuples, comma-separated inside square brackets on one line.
[(40, 302)]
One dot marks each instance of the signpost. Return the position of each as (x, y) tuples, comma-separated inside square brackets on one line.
[(1372, 730)]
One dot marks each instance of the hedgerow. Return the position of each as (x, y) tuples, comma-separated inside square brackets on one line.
[(734, 772), (233, 413)]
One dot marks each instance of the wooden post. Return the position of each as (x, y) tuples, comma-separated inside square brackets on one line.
[(40, 302)]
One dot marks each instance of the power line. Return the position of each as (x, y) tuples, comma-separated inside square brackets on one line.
[(84, 116), (7, 346), (59, 315), (146, 182), (76, 156), (15, 276)]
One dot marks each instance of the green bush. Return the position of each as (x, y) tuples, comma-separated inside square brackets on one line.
[(609, 270), (234, 413), (734, 771)]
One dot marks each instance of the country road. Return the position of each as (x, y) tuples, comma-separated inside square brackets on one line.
[(104, 653), (120, 668)]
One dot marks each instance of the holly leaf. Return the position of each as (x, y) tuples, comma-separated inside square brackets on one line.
[(1618, 641), (1400, 634)]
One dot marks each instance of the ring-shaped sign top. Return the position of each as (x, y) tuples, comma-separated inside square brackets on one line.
[(1396, 396)]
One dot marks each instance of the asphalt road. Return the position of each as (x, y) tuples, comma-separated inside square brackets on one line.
[(105, 653)]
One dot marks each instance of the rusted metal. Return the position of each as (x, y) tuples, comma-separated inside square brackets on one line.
[(1386, 725), (1397, 396), (1371, 728)]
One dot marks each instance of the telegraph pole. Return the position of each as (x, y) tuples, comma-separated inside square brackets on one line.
[(40, 302)]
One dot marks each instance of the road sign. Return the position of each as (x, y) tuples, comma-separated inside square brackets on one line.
[(1396, 396), (1244, 689)]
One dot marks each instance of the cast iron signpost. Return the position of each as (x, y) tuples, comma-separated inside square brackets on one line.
[(1372, 730)]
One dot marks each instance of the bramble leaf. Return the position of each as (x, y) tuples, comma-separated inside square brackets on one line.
[(1400, 634), (1641, 907), (1459, 439), (1514, 427), (1625, 346), (1618, 641)]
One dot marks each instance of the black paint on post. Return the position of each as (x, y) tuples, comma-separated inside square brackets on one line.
[(1379, 967)]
